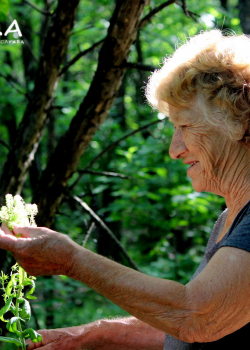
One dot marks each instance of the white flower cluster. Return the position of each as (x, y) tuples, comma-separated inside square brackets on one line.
[(18, 212)]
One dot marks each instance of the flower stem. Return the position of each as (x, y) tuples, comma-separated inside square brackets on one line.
[(20, 287)]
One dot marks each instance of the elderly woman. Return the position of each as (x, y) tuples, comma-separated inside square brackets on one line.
[(205, 89)]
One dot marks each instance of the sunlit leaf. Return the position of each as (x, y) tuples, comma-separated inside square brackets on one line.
[(6, 306), (33, 335), (10, 340), (26, 311), (12, 325)]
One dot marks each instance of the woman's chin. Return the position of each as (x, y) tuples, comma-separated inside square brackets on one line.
[(198, 187)]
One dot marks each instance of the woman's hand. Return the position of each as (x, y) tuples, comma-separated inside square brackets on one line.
[(40, 251), (63, 339)]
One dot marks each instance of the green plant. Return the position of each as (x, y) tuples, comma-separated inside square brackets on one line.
[(15, 294)]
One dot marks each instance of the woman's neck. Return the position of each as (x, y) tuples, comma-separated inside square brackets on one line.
[(234, 206)]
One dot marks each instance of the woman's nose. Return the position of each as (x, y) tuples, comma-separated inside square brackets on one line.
[(178, 146)]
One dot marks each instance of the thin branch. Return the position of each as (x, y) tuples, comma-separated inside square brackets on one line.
[(4, 144), (152, 13), (193, 16), (110, 147), (46, 13), (11, 81), (104, 173), (184, 7), (92, 226), (99, 222), (82, 30), (78, 56), (52, 107), (140, 66), (188, 13), (121, 139)]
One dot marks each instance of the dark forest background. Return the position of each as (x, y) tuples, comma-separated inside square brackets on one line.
[(78, 138)]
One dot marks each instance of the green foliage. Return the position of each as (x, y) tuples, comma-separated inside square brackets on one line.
[(161, 221), (4, 8), (15, 302), (18, 212)]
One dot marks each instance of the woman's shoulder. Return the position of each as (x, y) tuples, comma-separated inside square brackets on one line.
[(238, 235)]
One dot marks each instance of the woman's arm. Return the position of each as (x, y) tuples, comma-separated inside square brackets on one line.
[(214, 304), (220, 296), (123, 334)]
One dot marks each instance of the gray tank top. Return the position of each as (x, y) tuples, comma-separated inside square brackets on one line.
[(172, 343)]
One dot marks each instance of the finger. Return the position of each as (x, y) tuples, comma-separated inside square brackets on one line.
[(27, 232), (44, 347), (7, 242), (45, 340), (6, 229), (32, 345)]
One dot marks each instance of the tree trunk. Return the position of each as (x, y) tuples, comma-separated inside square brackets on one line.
[(93, 110), (33, 123)]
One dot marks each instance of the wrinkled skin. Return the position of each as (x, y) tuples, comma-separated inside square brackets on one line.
[(68, 338), (195, 139), (223, 164), (214, 304), (53, 251), (102, 335)]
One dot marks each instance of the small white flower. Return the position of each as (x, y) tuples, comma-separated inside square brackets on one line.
[(18, 212)]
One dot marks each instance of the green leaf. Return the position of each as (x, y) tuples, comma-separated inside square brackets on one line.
[(13, 310), (33, 335), (132, 149), (2, 319), (6, 306), (20, 300), (161, 172), (27, 282), (154, 196), (31, 291), (12, 325), (22, 275), (10, 285), (4, 7), (26, 311), (11, 340)]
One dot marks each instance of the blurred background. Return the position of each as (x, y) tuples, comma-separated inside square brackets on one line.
[(78, 138)]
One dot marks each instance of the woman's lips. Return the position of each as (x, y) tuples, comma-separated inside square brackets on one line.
[(193, 164)]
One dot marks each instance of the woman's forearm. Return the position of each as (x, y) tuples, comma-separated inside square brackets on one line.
[(157, 302), (125, 334)]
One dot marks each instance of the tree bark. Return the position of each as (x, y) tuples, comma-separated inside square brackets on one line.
[(93, 110), (244, 15), (31, 128)]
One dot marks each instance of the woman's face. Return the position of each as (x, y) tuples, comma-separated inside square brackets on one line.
[(211, 155)]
